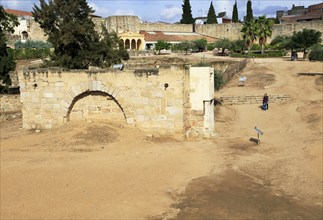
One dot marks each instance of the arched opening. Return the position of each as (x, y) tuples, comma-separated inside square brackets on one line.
[(24, 35), (95, 105), (133, 44), (127, 44), (139, 44), (121, 43)]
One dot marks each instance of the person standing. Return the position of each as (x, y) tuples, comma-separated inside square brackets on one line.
[(265, 101)]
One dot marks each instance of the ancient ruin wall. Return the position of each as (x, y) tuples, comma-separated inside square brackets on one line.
[(288, 29), (35, 32), (229, 30), (166, 27), (121, 24), (51, 97)]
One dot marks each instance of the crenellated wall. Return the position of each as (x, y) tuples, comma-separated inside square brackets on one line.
[(123, 24)]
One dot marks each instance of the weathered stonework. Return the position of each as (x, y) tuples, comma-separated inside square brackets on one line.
[(165, 100)]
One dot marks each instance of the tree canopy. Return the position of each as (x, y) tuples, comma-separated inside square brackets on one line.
[(264, 27), (211, 16), (187, 17), (7, 63), (249, 33), (306, 38), (70, 30), (224, 44), (249, 15), (235, 17), (161, 44)]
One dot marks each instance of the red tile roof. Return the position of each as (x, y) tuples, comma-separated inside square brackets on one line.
[(18, 12), (171, 37)]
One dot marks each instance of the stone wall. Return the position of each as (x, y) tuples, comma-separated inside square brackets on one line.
[(227, 30), (252, 99), (288, 29), (122, 24), (10, 103), (166, 27), (52, 97)]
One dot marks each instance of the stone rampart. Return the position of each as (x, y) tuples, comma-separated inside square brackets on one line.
[(231, 31), (166, 27)]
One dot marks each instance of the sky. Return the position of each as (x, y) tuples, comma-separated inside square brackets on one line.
[(171, 10)]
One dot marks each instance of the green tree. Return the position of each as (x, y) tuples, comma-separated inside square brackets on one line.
[(249, 33), (306, 38), (186, 46), (187, 17), (211, 16), (7, 63), (249, 15), (200, 44), (235, 17), (264, 29), (110, 50), (71, 31), (162, 44), (238, 46), (224, 44)]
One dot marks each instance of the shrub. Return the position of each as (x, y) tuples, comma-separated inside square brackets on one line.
[(316, 53), (32, 44), (218, 80), (267, 54), (210, 46), (29, 53)]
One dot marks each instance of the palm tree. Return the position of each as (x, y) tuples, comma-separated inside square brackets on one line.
[(264, 29), (249, 33)]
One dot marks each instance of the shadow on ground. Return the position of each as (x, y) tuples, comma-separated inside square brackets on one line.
[(235, 196)]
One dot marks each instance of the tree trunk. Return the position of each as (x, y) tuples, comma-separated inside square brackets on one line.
[(262, 48), (304, 54)]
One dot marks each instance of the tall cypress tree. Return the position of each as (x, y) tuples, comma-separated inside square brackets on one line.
[(249, 16), (211, 16), (187, 17), (235, 17)]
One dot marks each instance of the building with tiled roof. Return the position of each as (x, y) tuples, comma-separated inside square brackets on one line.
[(151, 37), (18, 13)]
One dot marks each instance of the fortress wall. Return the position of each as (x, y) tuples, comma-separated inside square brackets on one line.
[(230, 30), (166, 27), (121, 24), (288, 29)]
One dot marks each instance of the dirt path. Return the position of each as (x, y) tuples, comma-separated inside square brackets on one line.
[(103, 170)]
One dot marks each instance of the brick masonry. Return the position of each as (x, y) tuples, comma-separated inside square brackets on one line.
[(252, 99)]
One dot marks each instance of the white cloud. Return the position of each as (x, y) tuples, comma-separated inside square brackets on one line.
[(101, 11), (123, 12), (170, 12)]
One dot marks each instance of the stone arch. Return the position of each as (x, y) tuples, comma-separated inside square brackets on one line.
[(85, 89), (127, 44), (138, 44), (24, 35), (122, 43), (133, 44)]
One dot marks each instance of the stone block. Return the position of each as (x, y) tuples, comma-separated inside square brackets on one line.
[(172, 110)]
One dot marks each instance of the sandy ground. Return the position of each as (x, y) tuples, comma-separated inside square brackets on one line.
[(106, 170)]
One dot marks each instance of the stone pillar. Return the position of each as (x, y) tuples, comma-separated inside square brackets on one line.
[(201, 99)]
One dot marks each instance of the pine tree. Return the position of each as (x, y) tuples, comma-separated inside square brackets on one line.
[(187, 17), (235, 17), (211, 16), (249, 15), (7, 63)]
